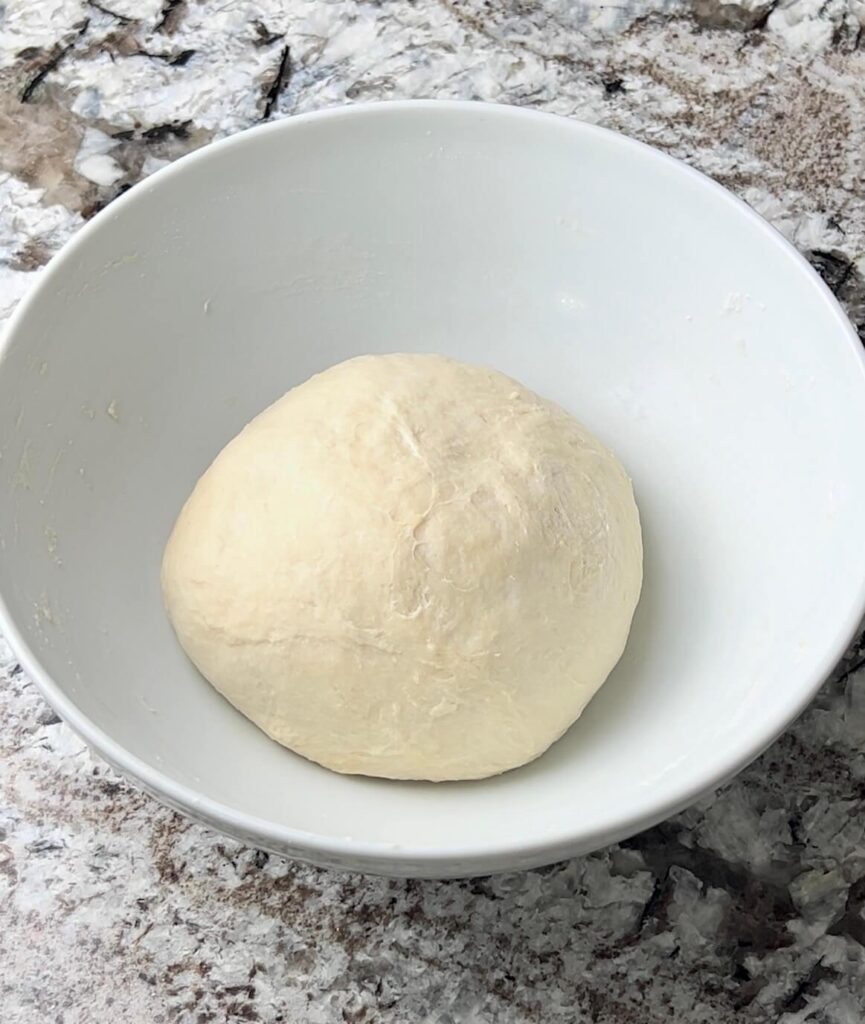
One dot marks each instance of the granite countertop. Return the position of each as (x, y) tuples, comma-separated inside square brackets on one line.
[(749, 907)]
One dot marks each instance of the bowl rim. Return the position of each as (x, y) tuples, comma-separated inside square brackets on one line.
[(477, 857)]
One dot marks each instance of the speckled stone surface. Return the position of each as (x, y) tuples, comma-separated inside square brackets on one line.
[(749, 907)]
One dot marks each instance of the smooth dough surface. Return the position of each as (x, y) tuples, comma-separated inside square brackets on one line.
[(408, 567)]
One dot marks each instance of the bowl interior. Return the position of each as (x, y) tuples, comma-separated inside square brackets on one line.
[(622, 285)]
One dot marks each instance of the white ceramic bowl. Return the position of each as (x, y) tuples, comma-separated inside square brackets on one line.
[(620, 283)]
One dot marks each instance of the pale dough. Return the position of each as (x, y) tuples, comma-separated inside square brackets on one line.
[(408, 567)]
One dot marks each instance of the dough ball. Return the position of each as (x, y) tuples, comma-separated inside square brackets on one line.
[(408, 567)]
